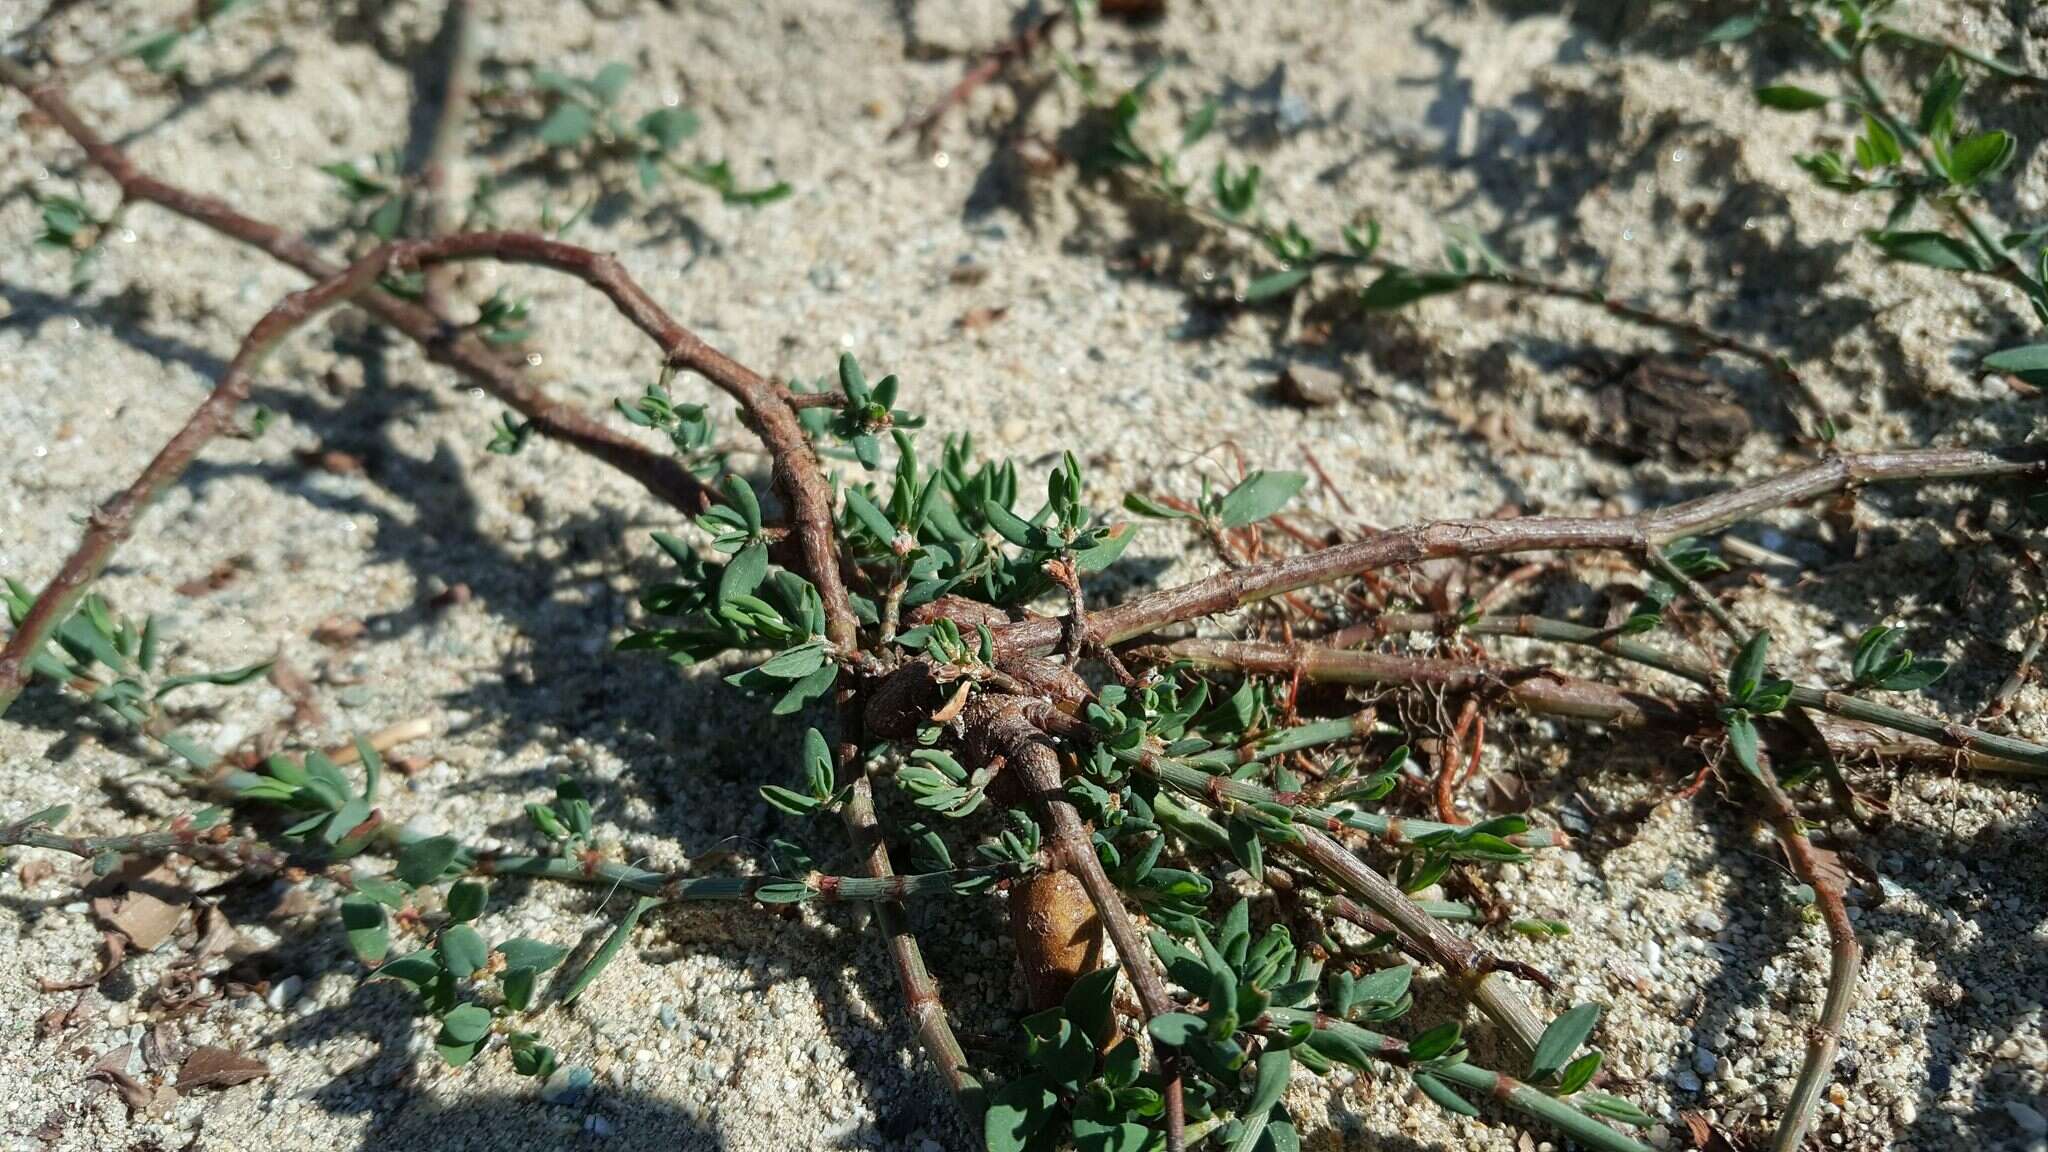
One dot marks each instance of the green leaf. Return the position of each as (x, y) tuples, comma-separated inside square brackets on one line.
[(1200, 124), (466, 1024), (609, 951), (1398, 287), (524, 952), (423, 861), (347, 818), (1385, 986), (1916, 676), (1275, 284), (1746, 675), (794, 803), (1982, 155), (870, 517), (668, 127), (462, 950), (1578, 1074), (568, 125), (1090, 1004), (1790, 98), (1934, 249), (1174, 1029), (373, 768), (369, 934), (416, 968), (1732, 29), (1938, 102), (518, 987), (1012, 527), (1146, 506), (466, 901), (1613, 1108), (610, 81), (229, 678), (1434, 1043), (1441, 1092), (743, 573), (795, 663), (1019, 1111), (2029, 362), (1564, 1037), (1742, 740), (1258, 496)]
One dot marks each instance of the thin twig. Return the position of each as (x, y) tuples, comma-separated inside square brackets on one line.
[(1227, 591), (1018, 47), (113, 522), (662, 475), (1845, 957), (443, 155)]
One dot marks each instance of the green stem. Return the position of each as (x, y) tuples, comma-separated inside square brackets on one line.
[(1188, 777), (1998, 753), (1295, 739), (830, 889), (2009, 266), (1531, 1102)]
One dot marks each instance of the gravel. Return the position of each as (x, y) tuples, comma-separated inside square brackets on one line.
[(771, 1032)]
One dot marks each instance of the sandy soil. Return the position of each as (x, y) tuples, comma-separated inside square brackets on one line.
[(1645, 167)]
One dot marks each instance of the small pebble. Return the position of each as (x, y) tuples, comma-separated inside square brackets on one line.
[(568, 1085), (2029, 1119)]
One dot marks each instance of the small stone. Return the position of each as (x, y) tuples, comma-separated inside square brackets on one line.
[(1706, 920), (1904, 1112), (668, 1016), (1305, 385), (1687, 1080), (598, 1126), (568, 1085), (1704, 1061), (284, 992), (2029, 1120)]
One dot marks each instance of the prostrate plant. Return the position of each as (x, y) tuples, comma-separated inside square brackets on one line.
[(930, 622), (1927, 163), (1294, 259)]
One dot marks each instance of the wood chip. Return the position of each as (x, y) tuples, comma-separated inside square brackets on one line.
[(211, 1067)]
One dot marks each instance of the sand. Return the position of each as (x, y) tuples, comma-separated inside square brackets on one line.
[(1644, 167)]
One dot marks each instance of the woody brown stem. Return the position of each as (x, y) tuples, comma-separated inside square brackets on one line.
[(1227, 591), (661, 475), (113, 522), (1003, 729)]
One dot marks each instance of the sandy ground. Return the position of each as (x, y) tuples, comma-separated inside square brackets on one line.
[(1648, 169)]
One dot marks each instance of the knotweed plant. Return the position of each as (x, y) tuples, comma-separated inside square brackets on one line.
[(1231, 818)]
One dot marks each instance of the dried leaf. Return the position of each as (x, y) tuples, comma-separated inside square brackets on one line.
[(975, 319), (113, 950), (216, 937), (211, 1067), (34, 872), (339, 631), (162, 1049), (113, 1069)]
